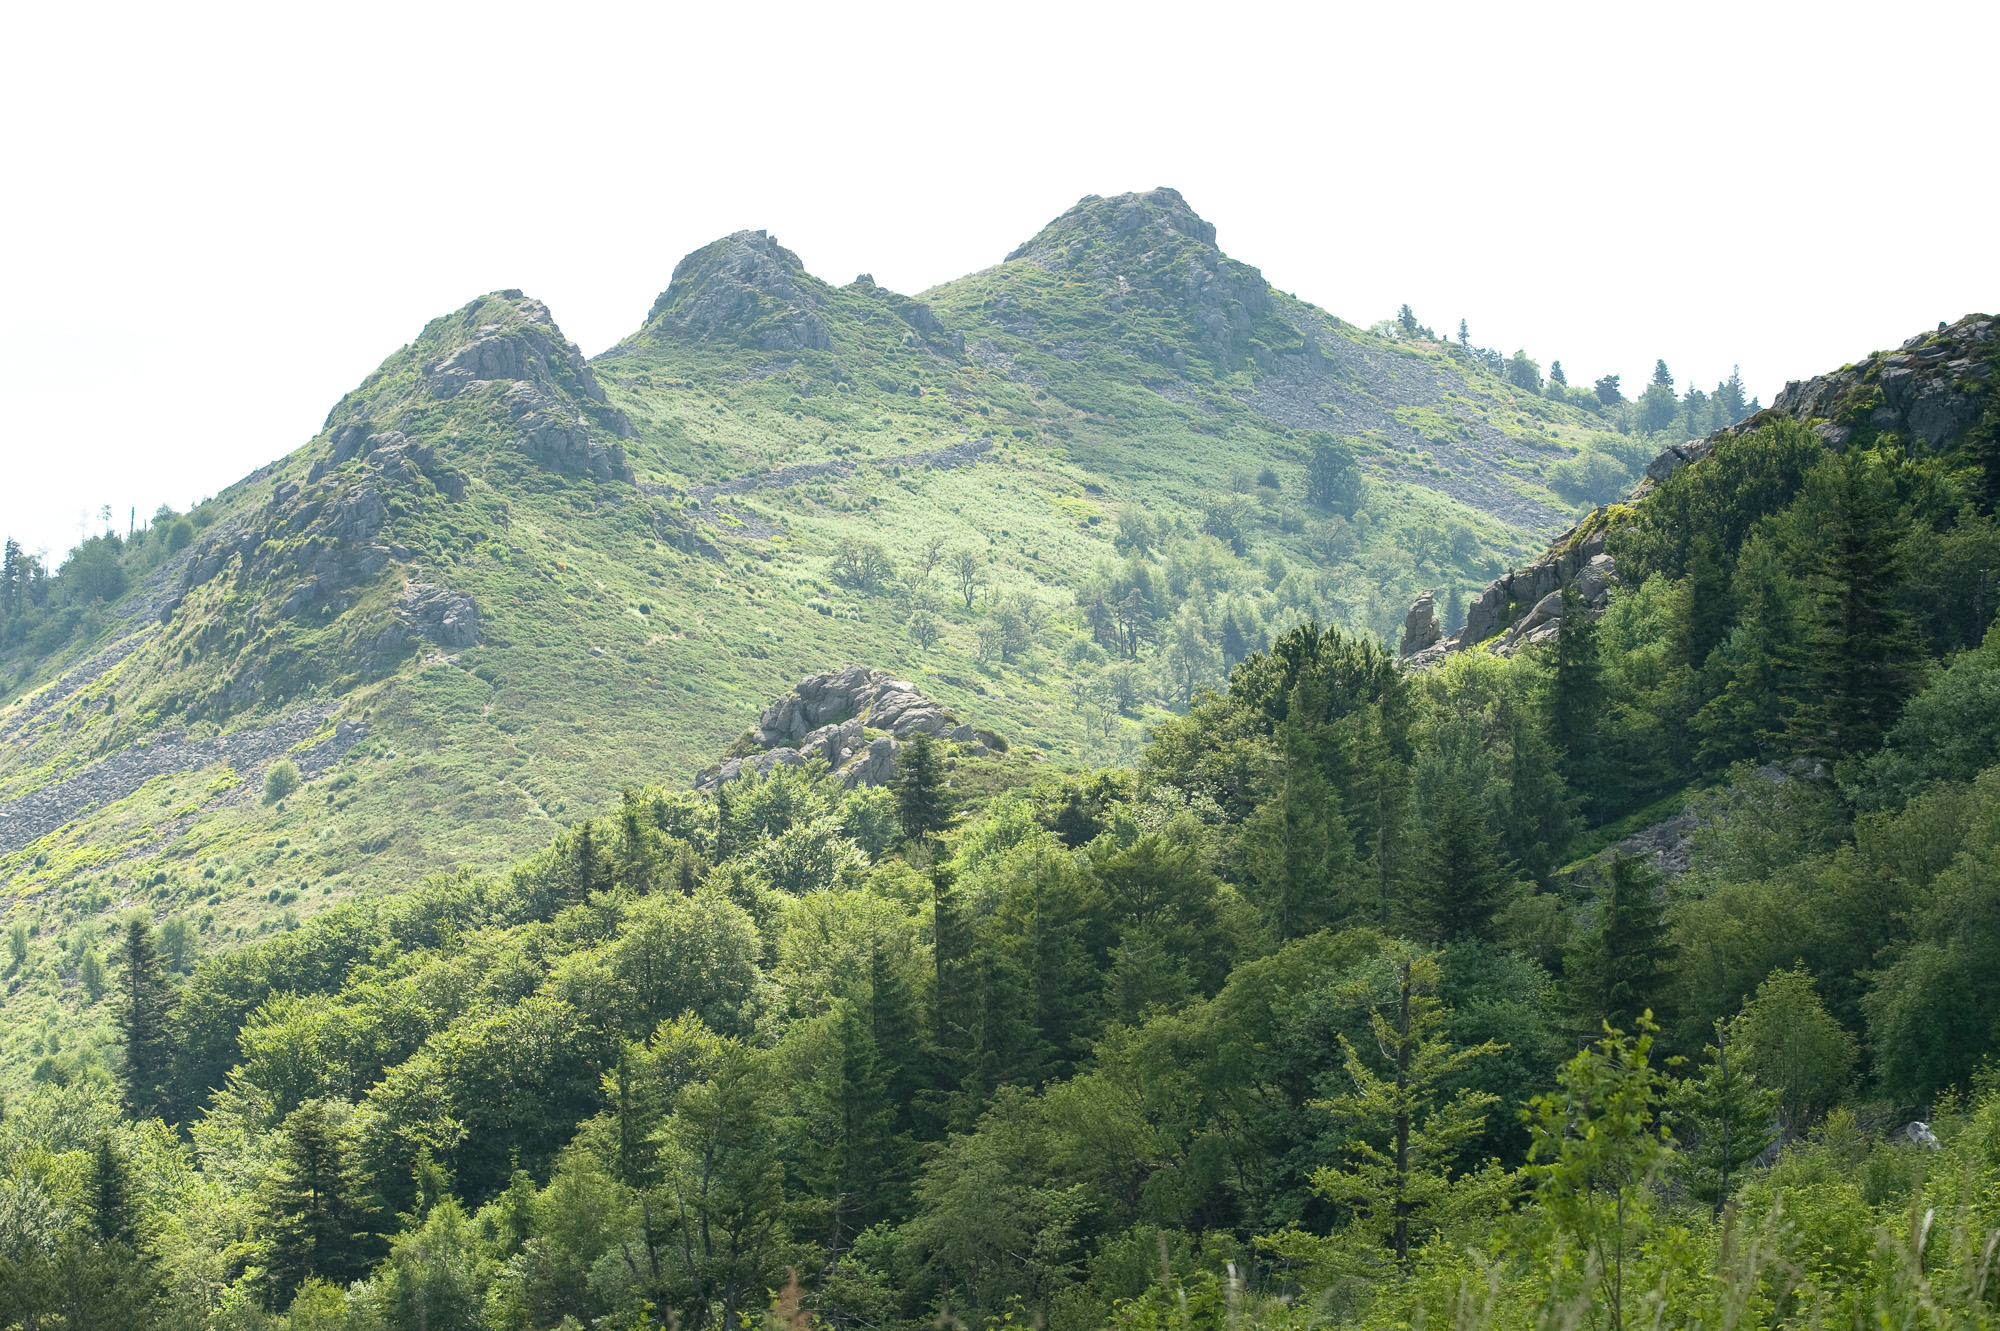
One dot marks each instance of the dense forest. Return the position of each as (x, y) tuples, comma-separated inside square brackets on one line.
[(1337, 1006)]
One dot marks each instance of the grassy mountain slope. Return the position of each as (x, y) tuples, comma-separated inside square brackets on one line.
[(502, 580)]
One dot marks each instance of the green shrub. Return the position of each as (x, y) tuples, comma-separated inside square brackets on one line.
[(281, 780)]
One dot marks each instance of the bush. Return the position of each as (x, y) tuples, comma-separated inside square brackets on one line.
[(1590, 478), (862, 565), (281, 780)]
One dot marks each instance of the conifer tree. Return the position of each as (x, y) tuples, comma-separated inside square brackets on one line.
[(1723, 1120), (1759, 666), (1599, 1154), (1234, 645), (1298, 851), (1556, 375), (1460, 879), (1576, 694), (315, 1204), (108, 1195), (1464, 335), (1661, 376), (142, 1019), (921, 799), (1861, 652), (1730, 399), (1618, 972), (1541, 811), (1405, 1134)]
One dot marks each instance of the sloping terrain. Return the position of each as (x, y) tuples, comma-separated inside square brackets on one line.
[(504, 580)]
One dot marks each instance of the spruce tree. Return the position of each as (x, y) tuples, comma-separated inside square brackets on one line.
[(1407, 1125), (1723, 1121), (1661, 376), (1541, 811), (1861, 656), (1556, 375), (1576, 695), (316, 1206), (142, 1019), (1619, 971), (1464, 335), (921, 799), (1297, 848), (1234, 645), (108, 1195), (1460, 879)]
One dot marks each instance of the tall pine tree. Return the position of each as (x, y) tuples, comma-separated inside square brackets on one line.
[(921, 799), (1576, 697), (1724, 1120), (1460, 879), (142, 1019), (1861, 654), (317, 1208), (108, 1195), (1620, 970), (1298, 852)]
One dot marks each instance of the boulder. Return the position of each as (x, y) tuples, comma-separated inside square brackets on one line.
[(856, 693), (825, 716)]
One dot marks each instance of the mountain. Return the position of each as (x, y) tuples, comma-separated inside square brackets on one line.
[(1119, 1046), (504, 579)]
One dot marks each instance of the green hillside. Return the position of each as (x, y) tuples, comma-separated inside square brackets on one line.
[(513, 580)]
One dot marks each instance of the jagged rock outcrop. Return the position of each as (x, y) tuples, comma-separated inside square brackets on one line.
[(1526, 606), (446, 617), (826, 716), (1158, 251), (504, 350), (749, 287), (1928, 393), (1421, 629)]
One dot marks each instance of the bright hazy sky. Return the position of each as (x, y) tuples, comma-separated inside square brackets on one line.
[(216, 219)]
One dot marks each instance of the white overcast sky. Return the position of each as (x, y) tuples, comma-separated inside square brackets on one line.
[(216, 219)]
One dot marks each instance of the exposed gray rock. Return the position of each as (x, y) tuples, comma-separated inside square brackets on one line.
[(1676, 456), (1666, 847), (445, 617), (825, 716), (550, 428), (856, 694), (1420, 627), (748, 285)]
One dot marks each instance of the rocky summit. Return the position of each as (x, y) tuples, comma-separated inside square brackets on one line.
[(495, 546)]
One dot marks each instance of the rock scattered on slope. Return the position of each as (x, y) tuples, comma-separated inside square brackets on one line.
[(827, 716)]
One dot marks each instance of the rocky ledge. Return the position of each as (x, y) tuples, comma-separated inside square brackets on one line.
[(827, 716), (1523, 607)]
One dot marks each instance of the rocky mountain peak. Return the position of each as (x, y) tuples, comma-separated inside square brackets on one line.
[(505, 351), (745, 286), (1132, 224)]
